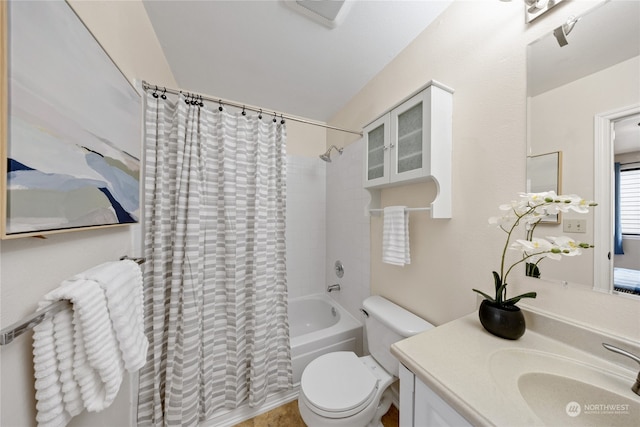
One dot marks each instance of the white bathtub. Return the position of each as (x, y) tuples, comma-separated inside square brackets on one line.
[(314, 331), (318, 325)]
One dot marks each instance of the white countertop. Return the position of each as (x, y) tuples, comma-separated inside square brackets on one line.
[(465, 365)]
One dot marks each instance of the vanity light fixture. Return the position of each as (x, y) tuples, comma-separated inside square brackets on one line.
[(563, 31), (535, 8)]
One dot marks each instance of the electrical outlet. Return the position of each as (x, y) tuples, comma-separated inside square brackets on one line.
[(574, 226)]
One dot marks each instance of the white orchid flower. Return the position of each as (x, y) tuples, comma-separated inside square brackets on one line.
[(536, 249), (528, 210), (566, 245)]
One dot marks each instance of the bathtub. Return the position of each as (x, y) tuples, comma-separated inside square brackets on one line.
[(318, 325)]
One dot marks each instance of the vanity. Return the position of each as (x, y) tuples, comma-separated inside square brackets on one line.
[(558, 373)]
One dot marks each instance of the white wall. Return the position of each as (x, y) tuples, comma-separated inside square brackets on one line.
[(348, 228), (479, 49)]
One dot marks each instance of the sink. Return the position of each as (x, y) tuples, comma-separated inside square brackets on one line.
[(576, 403), (568, 390)]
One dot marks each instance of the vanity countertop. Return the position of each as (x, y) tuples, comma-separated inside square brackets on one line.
[(466, 367)]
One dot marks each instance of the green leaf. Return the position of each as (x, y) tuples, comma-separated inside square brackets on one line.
[(484, 295), (497, 280), (532, 270), (514, 300)]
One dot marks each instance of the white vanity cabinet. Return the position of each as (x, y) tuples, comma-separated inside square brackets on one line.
[(413, 142), (420, 406), (408, 142)]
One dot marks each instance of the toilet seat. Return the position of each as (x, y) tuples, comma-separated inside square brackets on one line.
[(338, 385)]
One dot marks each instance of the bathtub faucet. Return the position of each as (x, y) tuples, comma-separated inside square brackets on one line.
[(335, 287)]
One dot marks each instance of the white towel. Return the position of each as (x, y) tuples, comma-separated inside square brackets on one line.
[(395, 236), (80, 355)]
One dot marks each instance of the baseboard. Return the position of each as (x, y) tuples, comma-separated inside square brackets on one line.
[(244, 412)]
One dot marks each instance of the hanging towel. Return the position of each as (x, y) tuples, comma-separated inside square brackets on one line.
[(395, 236), (80, 355)]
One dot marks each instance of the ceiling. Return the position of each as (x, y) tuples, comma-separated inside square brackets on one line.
[(265, 54)]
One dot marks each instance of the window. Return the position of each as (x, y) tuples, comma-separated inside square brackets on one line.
[(630, 201)]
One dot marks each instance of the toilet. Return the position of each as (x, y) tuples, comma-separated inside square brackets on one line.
[(342, 389)]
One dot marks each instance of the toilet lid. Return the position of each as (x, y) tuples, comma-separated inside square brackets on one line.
[(338, 382)]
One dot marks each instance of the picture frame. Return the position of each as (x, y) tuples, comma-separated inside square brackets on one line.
[(70, 126), (544, 173)]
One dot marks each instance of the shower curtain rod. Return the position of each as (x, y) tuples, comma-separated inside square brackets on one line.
[(162, 89)]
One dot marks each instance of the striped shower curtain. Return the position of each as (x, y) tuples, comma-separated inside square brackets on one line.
[(215, 279)]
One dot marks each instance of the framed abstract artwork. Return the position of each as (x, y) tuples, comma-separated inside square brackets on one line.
[(70, 126)]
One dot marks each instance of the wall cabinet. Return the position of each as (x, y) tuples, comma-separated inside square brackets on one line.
[(420, 406), (413, 142)]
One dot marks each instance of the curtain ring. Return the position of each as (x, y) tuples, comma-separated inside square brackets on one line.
[(281, 119), (201, 103), (164, 96), (220, 105), (275, 117), (244, 113), (260, 114), (155, 92)]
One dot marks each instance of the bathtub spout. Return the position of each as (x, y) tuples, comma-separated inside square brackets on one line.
[(335, 287)]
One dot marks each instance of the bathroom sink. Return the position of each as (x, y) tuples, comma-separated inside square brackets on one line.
[(576, 403), (563, 390)]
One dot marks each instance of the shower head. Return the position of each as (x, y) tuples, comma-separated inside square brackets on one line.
[(327, 155)]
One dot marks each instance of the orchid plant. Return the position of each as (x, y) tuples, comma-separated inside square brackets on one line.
[(529, 210)]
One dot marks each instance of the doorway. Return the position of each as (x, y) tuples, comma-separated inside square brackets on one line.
[(617, 140)]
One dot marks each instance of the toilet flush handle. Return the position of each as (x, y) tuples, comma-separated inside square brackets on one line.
[(364, 312)]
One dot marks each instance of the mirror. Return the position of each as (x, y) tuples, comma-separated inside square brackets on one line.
[(583, 80)]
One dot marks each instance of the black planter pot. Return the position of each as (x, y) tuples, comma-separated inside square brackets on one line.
[(504, 321)]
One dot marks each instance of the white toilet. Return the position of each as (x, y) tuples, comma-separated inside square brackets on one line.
[(341, 389)]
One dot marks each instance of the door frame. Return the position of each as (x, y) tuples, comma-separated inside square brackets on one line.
[(603, 195)]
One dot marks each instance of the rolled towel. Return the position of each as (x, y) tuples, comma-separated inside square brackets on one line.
[(80, 355), (395, 236), (122, 284)]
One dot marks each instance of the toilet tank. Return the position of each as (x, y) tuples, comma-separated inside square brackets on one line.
[(386, 324)]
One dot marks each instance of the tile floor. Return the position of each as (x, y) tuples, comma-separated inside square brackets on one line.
[(287, 415)]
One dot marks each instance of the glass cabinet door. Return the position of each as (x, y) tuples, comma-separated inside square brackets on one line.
[(377, 156), (410, 139), (408, 121)]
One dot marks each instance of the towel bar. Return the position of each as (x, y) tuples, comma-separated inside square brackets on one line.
[(376, 211), (10, 332)]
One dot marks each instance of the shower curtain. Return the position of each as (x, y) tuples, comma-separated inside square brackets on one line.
[(215, 279)]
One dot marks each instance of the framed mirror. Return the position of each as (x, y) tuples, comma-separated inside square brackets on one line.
[(579, 89), (544, 173)]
